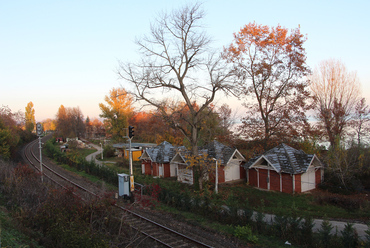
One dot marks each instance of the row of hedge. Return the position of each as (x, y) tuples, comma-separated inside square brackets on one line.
[(299, 231), (74, 160)]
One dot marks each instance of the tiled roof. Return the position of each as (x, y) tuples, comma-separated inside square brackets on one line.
[(163, 153), (285, 159), (218, 151)]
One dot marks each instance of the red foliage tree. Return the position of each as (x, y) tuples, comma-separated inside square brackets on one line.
[(271, 65)]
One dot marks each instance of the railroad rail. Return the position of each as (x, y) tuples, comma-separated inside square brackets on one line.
[(160, 233)]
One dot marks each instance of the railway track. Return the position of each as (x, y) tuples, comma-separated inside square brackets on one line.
[(162, 235)]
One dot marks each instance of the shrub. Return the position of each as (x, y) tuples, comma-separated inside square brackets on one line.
[(346, 202), (367, 242), (324, 233), (306, 232), (349, 236), (109, 151), (245, 232)]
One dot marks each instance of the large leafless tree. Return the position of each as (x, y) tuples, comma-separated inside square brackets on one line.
[(176, 58), (336, 92)]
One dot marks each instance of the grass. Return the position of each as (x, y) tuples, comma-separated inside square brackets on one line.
[(227, 230), (286, 204), (85, 151)]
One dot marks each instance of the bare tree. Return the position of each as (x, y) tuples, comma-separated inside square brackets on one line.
[(361, 120), (176, 59), (336, 93)]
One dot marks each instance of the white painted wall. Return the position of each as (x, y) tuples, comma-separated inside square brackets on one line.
[(185, 175), (308, 179), (160, 170), (232, 170), (173, 169)]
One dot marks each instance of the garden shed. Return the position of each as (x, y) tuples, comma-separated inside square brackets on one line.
[(155, 161), (285, 169), (229, 163)]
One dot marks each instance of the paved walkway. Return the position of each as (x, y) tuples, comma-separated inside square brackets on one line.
[(92, 156), (337, 225)]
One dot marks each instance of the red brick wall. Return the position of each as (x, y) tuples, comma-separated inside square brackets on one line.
[(274, 181), (263, 178), (155, 169), (243, 172), (221, 174), (252, 174), (166, 170), (147, 164), (287, 183), (298, 183), (317, 177)]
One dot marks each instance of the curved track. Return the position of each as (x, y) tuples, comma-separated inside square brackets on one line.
[(161, 234)]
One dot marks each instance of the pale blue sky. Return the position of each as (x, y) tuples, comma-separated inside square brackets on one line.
[(66, 51)]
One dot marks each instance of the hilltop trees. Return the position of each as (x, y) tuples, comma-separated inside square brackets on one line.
[(94, 128), (271, 66), (176, 59), (117, 112), (69, 122), (49, 124)]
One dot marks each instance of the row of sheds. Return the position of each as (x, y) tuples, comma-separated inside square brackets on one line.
[(282, 168)]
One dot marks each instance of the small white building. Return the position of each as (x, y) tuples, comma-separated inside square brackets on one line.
[(229, 159), (285, 169)]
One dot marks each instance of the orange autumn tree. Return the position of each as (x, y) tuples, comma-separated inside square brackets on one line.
[(150, 127), (30, 122), (94, 128), (117, 112), (271, 66), (49, 124)]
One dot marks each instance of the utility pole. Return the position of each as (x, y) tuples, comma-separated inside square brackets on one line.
[(101, 147), (216, 180)]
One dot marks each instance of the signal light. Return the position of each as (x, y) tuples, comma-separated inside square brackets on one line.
[(130, 132)]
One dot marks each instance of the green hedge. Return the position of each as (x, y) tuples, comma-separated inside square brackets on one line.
[(74, 160)]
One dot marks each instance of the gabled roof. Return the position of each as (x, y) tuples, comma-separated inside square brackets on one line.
[(180, 156), (215, 150), (221, 152), (163, 153), (284, 159)]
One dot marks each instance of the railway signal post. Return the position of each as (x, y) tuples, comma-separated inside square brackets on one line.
[(39, 131), (132, 183)]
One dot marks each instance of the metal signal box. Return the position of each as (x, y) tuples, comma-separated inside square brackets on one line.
[(123, 185)]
